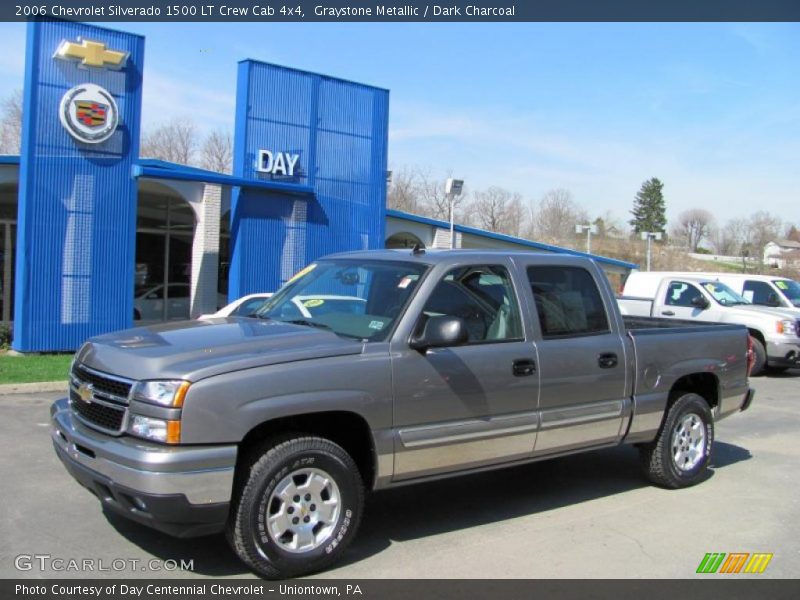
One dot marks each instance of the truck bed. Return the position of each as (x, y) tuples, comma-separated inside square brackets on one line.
[(644, 325)]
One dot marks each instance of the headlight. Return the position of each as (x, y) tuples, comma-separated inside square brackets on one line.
[(787, 327), (158, 430), (164, 393)]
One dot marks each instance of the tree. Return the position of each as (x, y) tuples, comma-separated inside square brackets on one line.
[(793, 234), (557, 215), (693, 227), (402, 193), (499, 210), (728, 240), (762, 228), (649, 209), (217, 152), (11, 123), (175, 141)]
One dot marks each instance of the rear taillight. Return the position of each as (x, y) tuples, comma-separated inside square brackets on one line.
[(751, 355)]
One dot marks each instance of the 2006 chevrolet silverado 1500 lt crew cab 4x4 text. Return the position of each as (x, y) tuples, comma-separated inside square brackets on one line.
[(272, 427)]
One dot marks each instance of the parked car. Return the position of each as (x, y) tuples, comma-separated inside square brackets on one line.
[(148, 304), (243, 307), (272, 429), (775, 332), (302, 306)]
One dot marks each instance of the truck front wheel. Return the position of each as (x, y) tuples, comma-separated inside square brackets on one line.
[(680, 454), (760, 352), (298, 509)]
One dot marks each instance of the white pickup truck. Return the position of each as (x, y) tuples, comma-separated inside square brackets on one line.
[(697, 297)]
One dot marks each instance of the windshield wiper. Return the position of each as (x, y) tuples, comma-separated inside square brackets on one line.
[(319, 325), (309, 323)]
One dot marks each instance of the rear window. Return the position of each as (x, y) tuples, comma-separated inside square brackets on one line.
[(568, 302)]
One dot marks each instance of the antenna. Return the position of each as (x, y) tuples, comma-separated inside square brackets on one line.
[(417, 250)]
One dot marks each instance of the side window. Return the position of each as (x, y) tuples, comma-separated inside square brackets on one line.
[(758, 292), (484, 297), (680, 293), (567, 301)]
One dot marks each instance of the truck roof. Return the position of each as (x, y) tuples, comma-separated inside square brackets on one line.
[(435, 256)]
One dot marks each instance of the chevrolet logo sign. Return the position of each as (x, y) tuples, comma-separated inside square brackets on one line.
[(86, 392), (91, 54)]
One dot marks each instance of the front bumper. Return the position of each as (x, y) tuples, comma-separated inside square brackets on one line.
[(783, 354), (184, 491)]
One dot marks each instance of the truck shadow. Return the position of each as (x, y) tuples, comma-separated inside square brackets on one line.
[(423, 510)]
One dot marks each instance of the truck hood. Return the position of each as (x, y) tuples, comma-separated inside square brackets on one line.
[(751, 311), (194, 350)]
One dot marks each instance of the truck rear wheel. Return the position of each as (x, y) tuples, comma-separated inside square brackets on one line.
[(680, 454), (298, 509)]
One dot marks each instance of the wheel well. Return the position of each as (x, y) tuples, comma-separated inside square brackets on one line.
[(348, 430), (758, 335), (702, 384)]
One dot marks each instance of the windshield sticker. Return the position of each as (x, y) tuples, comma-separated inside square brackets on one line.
[(710, 287), (378, 325), (303, 272), (404, 283), (748, 295), (782, 285), (313, 302)]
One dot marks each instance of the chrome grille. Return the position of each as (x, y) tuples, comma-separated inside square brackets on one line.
[(98, 399)]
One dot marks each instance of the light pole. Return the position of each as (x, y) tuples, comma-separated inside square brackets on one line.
[(589, 229), (649, 236), (452, 189)]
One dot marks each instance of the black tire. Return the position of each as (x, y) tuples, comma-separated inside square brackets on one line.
[(777, 370), (658, 458), (760, 364), (249, 531)]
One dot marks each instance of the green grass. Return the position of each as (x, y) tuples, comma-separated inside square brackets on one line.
[(38, 367)]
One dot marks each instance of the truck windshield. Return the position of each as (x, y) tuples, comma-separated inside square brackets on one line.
[(355, 299), (723, 294), (790, 289)]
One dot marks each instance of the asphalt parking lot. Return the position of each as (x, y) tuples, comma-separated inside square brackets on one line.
[(589, 515)]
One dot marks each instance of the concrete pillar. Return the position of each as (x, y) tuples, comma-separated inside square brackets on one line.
[(205, 253)]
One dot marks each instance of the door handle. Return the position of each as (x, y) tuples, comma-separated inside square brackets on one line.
[(523, 367), (668, 313), (607, 360)]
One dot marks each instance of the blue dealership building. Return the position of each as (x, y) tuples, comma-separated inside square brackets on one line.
[(92, 235)]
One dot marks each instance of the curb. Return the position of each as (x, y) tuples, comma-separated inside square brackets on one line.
[(33, 388)]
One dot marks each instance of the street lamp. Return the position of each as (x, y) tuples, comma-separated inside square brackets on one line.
[(649, 236), (589, 229), (452, 189)]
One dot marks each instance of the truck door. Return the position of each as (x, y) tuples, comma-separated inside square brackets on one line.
[(582, 364), (472, 404), (680, 302)]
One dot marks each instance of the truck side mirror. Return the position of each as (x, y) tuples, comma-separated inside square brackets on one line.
[(772, 300), (699, 302), (441, 331)]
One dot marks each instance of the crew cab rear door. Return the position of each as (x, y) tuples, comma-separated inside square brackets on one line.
[(584, 396)]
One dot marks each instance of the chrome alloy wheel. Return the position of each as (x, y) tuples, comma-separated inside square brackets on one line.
[(303, 510), (689, 442)]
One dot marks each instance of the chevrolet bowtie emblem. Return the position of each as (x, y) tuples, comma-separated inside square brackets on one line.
[(91, 54), (86, 392)]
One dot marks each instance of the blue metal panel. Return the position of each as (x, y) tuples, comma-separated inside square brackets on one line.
[(339, 129), (77, 202)]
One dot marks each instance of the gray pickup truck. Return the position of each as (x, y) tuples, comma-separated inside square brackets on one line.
[(395, 367)]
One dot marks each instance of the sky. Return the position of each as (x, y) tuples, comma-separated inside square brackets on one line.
[(713, 110)]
